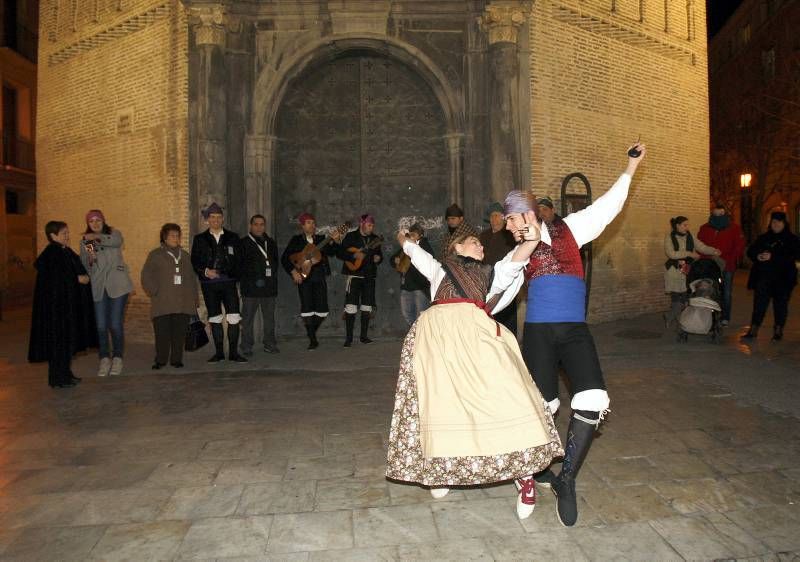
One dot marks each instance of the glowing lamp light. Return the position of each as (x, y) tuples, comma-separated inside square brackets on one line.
[(745, 180)]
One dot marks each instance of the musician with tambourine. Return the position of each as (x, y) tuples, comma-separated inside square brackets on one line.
[(415, 289), (306, 260), (360, 252)]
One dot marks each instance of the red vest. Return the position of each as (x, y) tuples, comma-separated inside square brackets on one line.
[(561, 257)]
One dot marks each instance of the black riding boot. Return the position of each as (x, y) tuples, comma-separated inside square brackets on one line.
[(233, 344), (349, 326), (579, 438), (218, 335), (365, 328), (311, 331)]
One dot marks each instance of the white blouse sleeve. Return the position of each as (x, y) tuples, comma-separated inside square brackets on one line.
[(426, 264), (589, 223), (509, 277)]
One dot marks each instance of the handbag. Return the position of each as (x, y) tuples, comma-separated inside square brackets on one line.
[(196, 336)]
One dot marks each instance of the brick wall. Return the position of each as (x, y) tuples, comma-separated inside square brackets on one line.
[(112, 123), (599, 78)]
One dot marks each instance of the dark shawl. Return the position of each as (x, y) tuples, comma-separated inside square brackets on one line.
[(63, 312), (780, 271)]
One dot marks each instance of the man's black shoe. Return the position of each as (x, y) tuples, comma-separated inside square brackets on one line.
[(236, 358), (566, 500), (216, 358), (363, 339)]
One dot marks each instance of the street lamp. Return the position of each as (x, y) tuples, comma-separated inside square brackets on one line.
[(745, 181)]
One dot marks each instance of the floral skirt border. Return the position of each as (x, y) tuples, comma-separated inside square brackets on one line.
[(406, 462)]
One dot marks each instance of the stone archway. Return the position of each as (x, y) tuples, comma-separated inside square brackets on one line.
[(272, 84)]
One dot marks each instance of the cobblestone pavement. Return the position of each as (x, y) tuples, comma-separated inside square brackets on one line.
[(284, 460)]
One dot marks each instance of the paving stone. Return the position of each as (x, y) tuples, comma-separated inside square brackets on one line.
[(627, 541), (767, 488), (465, 549), (351, 493), (183, 474), (305, 532), (252, 471), (202, 502), (227, 449), (682, 466), (463, 520), (53, 543), (775, 526), (702, 496), (137, 542), (628, 504), (278, 497), (545, 519), (708, 537), (630, 471), (115, 507), (336, 444), (411, 494), (309, 468), (386, 553), (394, 525), (553, 544), (226, 538), (40, 511)]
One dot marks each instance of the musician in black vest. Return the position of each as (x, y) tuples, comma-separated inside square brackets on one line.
[(259, 285), (360, 288), (310, 280), (215, 258)]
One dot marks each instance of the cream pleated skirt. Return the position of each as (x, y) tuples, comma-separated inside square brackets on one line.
[(466, 410)]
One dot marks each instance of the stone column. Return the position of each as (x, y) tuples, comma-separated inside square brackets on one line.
[(209, 38), (259, 156), (454, 157), (502, 20)]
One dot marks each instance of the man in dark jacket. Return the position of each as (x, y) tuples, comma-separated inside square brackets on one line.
[(360, 279), (215, 259), (415, 289), (310, 278), (258, 284), (722, 233)]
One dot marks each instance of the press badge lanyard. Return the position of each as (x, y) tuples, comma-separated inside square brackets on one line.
[(176, 279), (268, 272)]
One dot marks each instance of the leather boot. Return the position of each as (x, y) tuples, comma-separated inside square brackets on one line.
[(752, 332), (579, 438), (311, 332), (349, 326), (218, 335), (233, 344), (777, 334), (365, 328)]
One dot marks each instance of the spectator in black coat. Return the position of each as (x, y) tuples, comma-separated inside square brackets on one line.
[(62, 322), (774, 273)]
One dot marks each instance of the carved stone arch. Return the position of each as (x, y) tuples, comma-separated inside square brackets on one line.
[(272, 83)]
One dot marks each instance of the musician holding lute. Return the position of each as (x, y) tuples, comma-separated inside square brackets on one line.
[(306, 260), (360, 252), (415, 289)]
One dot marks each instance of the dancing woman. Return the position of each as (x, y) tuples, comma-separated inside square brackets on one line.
[(466, 411)]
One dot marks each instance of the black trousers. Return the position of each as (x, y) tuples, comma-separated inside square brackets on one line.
[(58, 367), (570, 344), (215, 295), (250, 306), (508, 317), (313, 297), (779, 295), (361, 292), (170, 335)]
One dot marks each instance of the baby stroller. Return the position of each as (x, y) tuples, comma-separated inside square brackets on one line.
[(702, 315)]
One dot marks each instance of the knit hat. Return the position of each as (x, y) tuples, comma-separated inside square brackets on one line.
[(778, 216), (518, 202), (95, 214), (305, 217), (546, 201), (493, 207), (367, 219), (212, 209), (453, 211)]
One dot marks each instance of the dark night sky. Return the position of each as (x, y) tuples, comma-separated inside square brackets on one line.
[(718, 13)]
